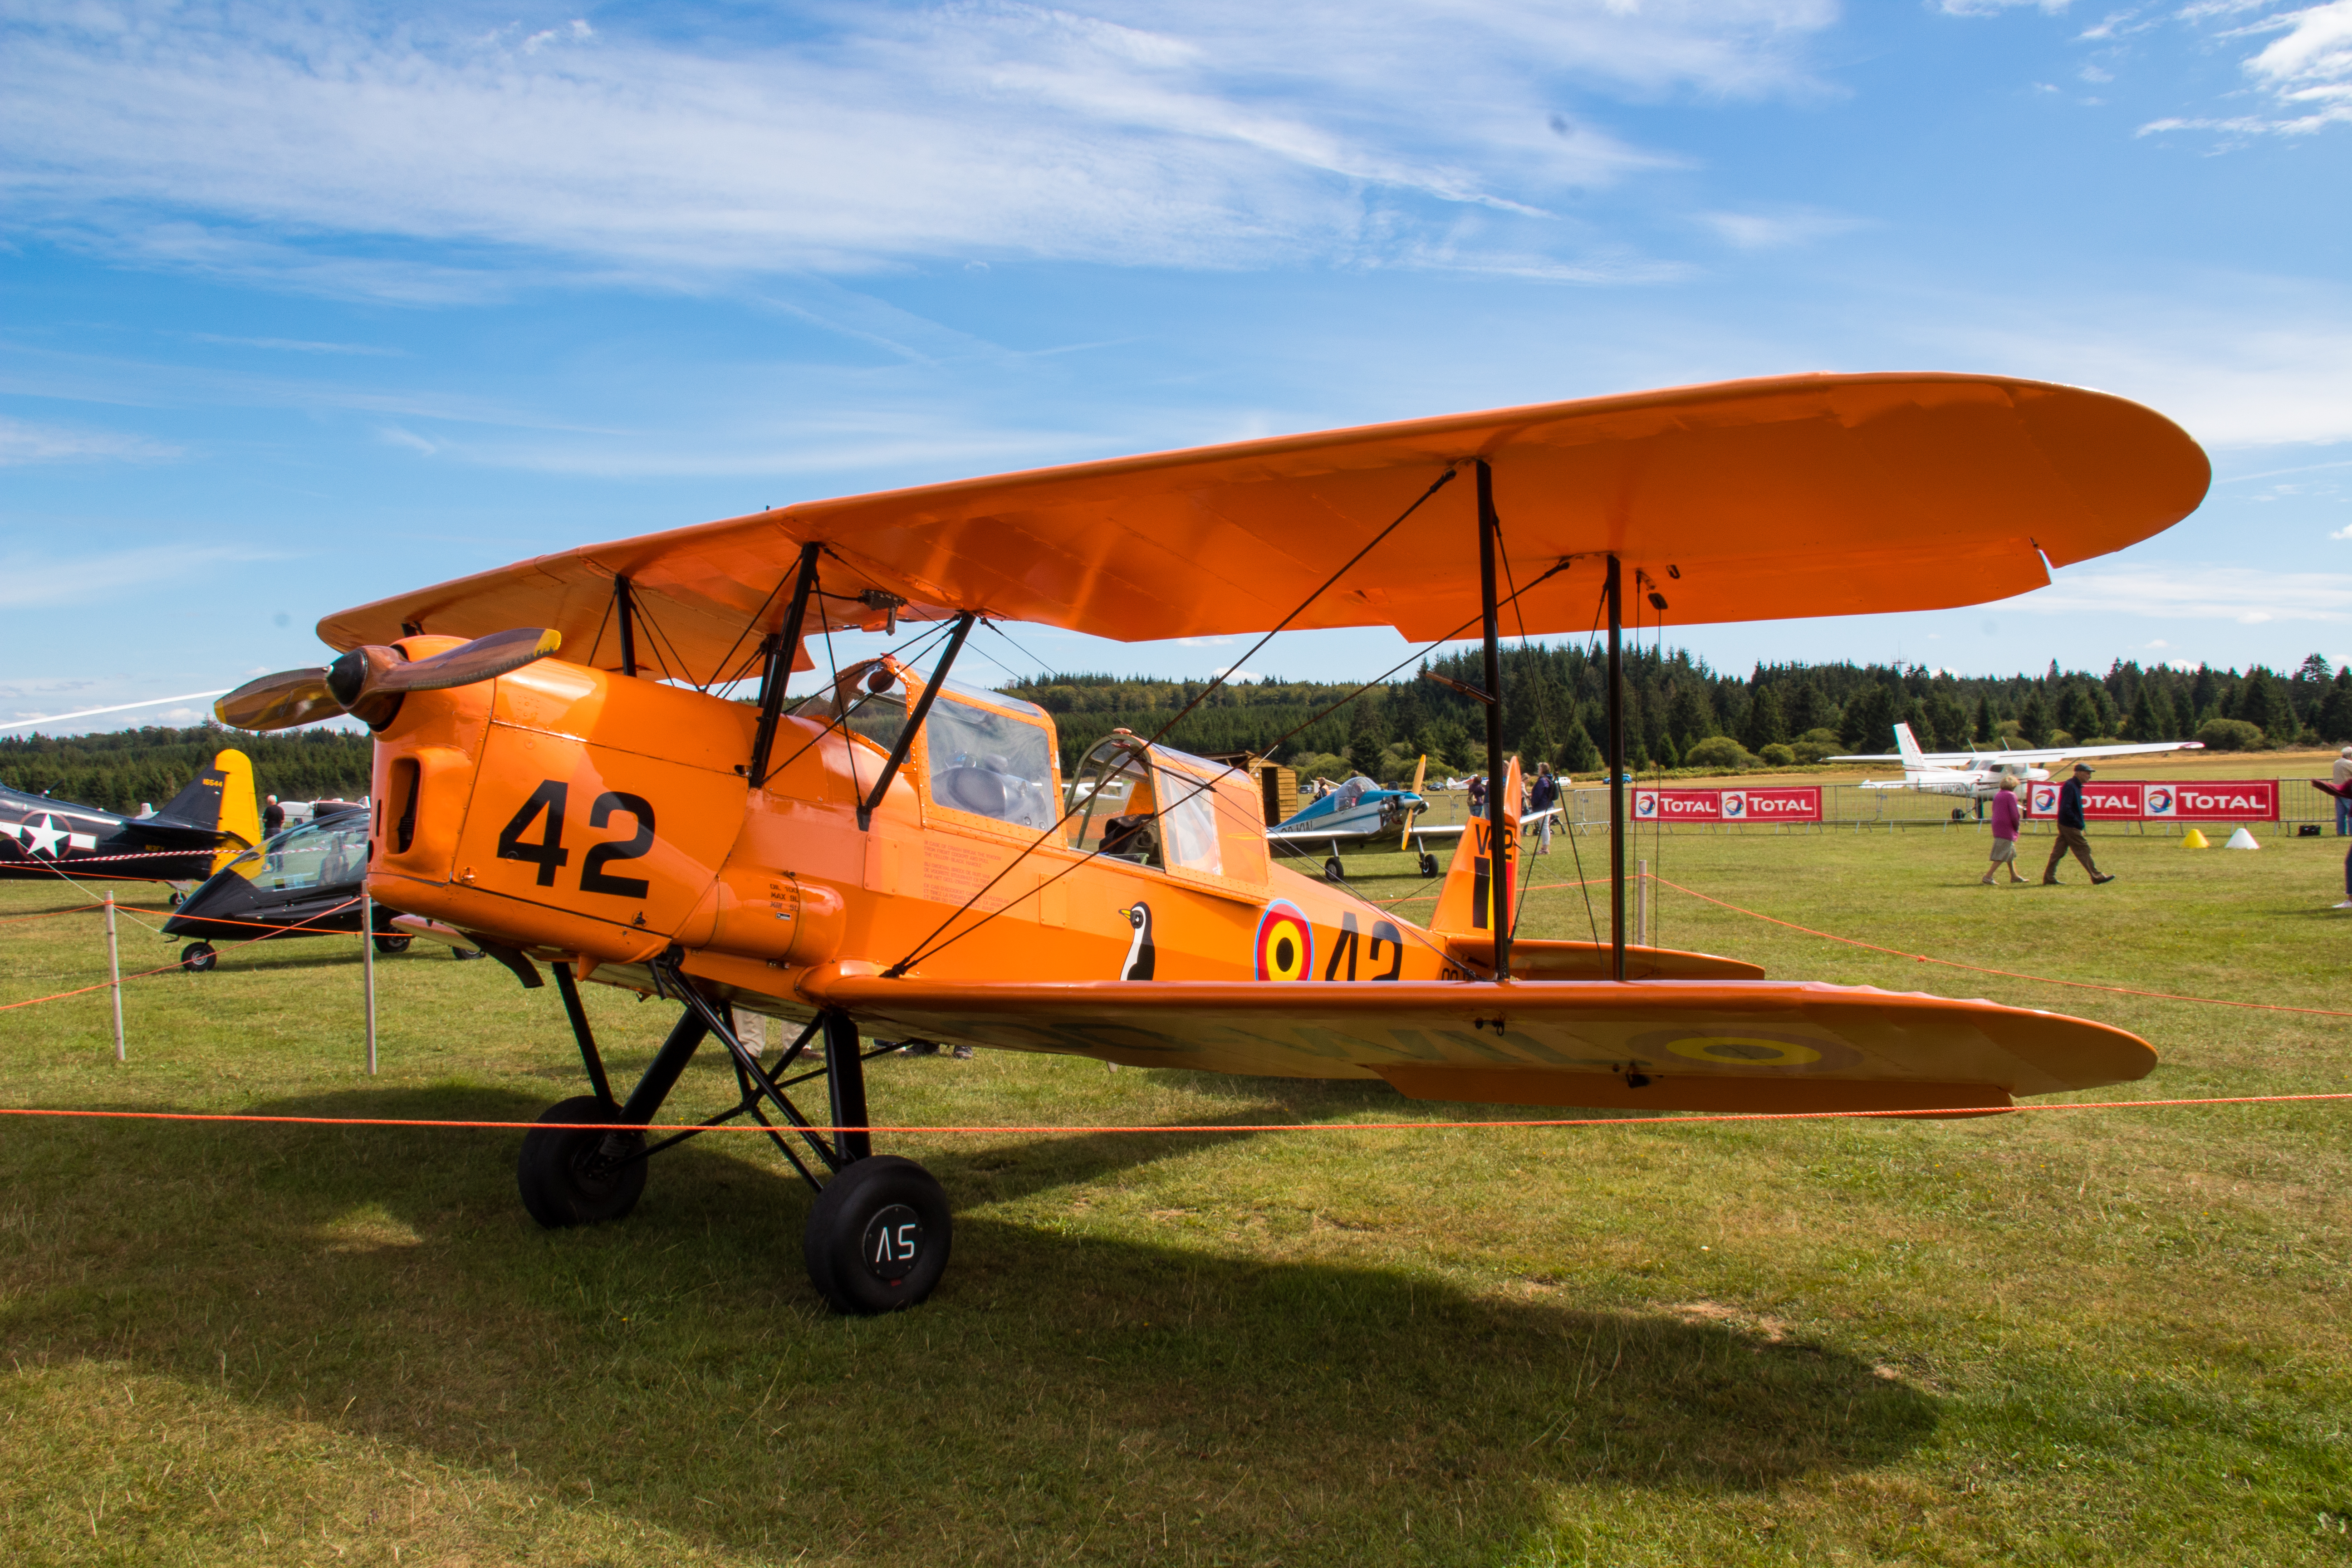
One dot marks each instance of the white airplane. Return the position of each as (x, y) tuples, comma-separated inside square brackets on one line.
[(1976, 775)]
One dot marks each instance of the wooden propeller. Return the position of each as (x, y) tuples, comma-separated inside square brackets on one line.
[(369, 681)]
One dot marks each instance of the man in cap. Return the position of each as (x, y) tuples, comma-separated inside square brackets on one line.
[(2343, 771), (2070, 830)]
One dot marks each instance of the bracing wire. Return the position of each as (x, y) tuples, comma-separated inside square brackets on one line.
[(923, 950)]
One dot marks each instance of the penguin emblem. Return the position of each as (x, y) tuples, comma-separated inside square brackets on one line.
[(1140, 958)]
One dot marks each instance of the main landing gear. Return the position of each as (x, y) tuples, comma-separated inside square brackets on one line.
[(879, 1233)]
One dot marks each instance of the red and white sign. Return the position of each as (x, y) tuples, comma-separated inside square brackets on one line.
[(2190, 800), (1779, 805)]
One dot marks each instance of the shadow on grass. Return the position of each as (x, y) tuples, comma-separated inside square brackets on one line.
[(1065, 1390)]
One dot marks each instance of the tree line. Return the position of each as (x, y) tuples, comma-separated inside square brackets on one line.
[(1681, 712), (121, 770)]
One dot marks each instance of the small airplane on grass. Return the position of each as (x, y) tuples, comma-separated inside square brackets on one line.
[(1360, 811), (199, 830), (897, 857), (1976, 775), (305, 881)]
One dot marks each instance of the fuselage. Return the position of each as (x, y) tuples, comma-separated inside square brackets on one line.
[(573, 813), (40, 837)]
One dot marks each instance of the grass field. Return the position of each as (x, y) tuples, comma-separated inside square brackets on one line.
[(2060, 1337)]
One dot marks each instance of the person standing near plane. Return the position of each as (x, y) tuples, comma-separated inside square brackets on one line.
[(273, 818), (1542, 794), (2343, 771), (2006, 816), (1477, 795), (2070, 831)]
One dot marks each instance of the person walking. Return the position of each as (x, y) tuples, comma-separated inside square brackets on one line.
[(2070, 830), (2006, 816), (1477, 795), (2342, 791), (1541, 798), (2343, 771)]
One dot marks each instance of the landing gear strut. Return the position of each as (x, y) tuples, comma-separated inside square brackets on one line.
[(879, 1233)]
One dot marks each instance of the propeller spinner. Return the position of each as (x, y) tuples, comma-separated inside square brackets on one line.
[(368, 682)]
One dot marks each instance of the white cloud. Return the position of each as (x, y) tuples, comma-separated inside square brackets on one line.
[(2344, 533), (1227, 133), (30, 579), (2260, 361), (2305, 70), (296, 345), (2245, 594), (1774, 231), (21, 442)]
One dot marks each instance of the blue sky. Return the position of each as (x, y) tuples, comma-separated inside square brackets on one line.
[(308, 303)]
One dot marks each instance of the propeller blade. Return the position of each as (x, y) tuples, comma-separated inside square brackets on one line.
[(484, 658), (279, 701)]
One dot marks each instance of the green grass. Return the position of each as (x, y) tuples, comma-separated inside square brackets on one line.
[(2094, 1337)]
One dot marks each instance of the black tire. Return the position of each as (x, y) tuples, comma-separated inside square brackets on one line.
[(1428, 864), (462, 954), (392, 944), (1333, 871), (874, 1208), (198, 957), (579, 1176)]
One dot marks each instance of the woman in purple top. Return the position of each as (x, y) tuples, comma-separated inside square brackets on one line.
[(2005, 818)]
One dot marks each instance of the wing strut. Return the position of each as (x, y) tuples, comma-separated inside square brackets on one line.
[(1501, 851), (625, 603), (783, 647), (1615, 593), (915, 721)]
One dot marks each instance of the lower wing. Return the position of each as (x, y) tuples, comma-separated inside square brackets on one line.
[(1754, 1046)]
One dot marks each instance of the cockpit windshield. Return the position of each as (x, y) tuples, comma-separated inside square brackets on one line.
[(321, 854), (989, 764)]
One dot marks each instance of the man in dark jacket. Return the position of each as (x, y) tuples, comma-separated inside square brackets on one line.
[(2070, 831)]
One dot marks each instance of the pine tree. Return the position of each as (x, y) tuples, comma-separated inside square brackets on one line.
[(2034, 719), (1765, 725), (1579, 755)]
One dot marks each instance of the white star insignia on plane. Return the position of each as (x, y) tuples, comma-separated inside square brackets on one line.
[(44, 835)]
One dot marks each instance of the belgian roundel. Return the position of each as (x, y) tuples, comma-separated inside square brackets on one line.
[(1285, 944)]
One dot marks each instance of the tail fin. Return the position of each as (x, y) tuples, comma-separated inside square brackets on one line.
[(219, 801), (1908, 745), (240, 816), (1466, 902)]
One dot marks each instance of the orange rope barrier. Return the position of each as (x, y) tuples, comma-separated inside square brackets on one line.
[(164, 969), (2004, 973), (1181, 1127)]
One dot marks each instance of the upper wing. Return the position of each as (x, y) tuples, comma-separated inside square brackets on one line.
[(1809, 495), (1669, 1045)]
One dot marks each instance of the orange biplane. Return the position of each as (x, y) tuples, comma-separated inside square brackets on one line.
[(896, 854)]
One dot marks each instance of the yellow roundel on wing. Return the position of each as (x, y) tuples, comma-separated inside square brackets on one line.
[(1285, 944), (1744, 1050)]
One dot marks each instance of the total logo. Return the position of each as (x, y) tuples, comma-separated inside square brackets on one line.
[(1646, 804), (2045, 799), (1735, 805), (2158, 802)]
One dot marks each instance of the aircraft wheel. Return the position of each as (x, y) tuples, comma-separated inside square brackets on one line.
[(1428, 864), (878, 1236), (578, 1175), (197, 957), (1333, 871), (392, 944)]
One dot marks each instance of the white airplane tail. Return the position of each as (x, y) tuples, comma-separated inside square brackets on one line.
[(1914, 759)]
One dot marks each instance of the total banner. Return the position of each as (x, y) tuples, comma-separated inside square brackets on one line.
[(2193, 800), (1787, 805)]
